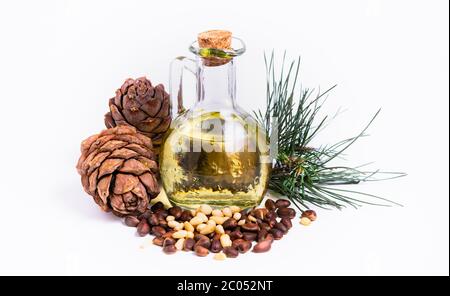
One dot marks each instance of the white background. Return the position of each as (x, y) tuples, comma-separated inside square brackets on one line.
[(60, 61)]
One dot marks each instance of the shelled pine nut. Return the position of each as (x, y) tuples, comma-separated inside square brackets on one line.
[(219, 229), (220, 256), (179, 244), (188, 227), (179, 234), (237, 216), (196, 221), (202, 216), (227, 212), (217, 213), (206, 209), (225, 240), (235, 209)]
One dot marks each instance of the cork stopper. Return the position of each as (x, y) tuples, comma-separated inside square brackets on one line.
[(217, 39)]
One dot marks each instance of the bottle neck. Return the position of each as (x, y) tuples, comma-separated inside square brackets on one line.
[(216, 86)]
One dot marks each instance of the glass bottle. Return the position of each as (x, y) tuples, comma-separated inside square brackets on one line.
[(214, 152)]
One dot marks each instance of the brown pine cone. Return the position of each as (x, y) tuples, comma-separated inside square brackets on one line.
[(119, 171), (139, 104)]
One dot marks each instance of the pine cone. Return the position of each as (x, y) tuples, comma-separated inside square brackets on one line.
[(139, 104), (119, 171)]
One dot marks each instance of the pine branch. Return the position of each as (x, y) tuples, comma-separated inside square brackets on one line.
[(300, 172)]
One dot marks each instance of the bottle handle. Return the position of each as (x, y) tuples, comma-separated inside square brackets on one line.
[(177, 67)]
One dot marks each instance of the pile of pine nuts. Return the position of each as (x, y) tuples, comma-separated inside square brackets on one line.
[(226, 232)]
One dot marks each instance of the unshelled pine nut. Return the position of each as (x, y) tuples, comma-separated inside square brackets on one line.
[(262, 246), (241, 222), (206, 209), (219, 229), (237, 216), (225, 240), (217, 213), (179, 234), (170, 218), (220, 256), (282, 203), (235, 209), (196, 221), (202, 216), (179, 244), (227, 212)]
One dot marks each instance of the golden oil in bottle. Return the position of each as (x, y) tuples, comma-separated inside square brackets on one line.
[(215, 158)]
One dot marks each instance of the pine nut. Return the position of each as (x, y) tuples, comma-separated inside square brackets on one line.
[(196, 221), (231, 223), (131, 221), (176, 211), (170, 218), (172, 224), (179, 234), (235, 209), (262, 246), (237, 216), (179, 244), (305, 221), (190, 234), (270, 205), (219, 229), (202, 216), (208, 229), (169, 249), (211, 222), (282, 203), (286, 213), (310, 214), (206, 209), (220, 256), (251, 218), (227, 212), (231, 252), (218, 220), (216, 246), (252, 227), (225, 240), (180, 226), (200, 227), (188, 226), (241, 222), (217, 213)]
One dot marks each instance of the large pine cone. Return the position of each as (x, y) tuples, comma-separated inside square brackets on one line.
[(119, 171), (139, 104)]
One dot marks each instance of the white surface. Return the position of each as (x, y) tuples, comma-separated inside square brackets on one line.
[(61, 60)]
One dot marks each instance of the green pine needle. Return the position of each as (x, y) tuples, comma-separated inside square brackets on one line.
[(302, 173)]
